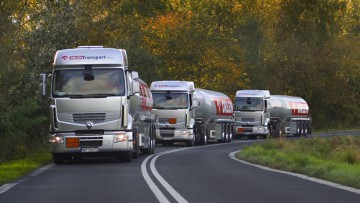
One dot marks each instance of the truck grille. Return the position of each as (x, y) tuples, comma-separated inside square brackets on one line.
[(167, 132), (93, 141), (85, 117), (247, 119), (248, 130)]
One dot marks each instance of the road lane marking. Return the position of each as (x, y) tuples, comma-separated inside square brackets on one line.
[(165, 184), (158, 194), (8, 186), (316, 180), (155, 189)]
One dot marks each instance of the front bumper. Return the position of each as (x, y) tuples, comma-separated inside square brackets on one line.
[(108, 142), (174, 134), (250, 130)]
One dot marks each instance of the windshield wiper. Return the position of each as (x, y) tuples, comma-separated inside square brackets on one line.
[(89, 96), (158, 107), (74, 96), (98, 95)]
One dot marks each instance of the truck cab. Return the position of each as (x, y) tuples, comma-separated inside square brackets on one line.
[(251, 112), (174, 105), (96, 104)]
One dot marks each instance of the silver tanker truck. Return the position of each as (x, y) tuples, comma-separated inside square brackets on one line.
[(191, 115), (289, 115), (257, 113), (98, 106)]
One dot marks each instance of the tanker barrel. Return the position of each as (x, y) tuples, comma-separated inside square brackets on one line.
[(214, 106), (288, 107)]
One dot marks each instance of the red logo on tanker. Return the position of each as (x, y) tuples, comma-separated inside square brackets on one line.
[(224, 107), (146, 99), (299, 108)]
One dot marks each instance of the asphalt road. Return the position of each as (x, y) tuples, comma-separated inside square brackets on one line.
[(174, 174)]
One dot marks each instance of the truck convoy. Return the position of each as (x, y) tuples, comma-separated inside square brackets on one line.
[(191, 115), (257, 113), (98, 106)]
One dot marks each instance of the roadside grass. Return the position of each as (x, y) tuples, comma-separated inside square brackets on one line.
[(11, 170), (336, 159)]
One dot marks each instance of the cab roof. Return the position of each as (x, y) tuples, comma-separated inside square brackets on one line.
[(91, 55)]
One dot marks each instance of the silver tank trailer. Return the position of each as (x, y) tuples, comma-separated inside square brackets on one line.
[(140, 109), (289, 115), (141, 103), (213, 115)]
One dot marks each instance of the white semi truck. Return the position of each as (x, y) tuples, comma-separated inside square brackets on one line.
[(98, 106), (191, 115), (258, 113)]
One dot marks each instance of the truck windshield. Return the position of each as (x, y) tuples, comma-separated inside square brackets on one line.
[(248, 104), (170, 100), (99, 82)]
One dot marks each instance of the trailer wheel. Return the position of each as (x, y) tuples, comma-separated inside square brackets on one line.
[(229, 134), (305, 128), (153, 139), (278, 130), (298, 129), (223, 133)]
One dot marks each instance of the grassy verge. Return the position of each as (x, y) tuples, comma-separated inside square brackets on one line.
[(336, 159), (14, 169)]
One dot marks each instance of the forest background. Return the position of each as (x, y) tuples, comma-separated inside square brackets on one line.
[(306, 48)]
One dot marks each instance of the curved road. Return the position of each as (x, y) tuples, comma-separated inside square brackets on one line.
[(173, 174)]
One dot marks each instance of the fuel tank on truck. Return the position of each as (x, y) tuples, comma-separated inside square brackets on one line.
[(213, 106), (287, 107)]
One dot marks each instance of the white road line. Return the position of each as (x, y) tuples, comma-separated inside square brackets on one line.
[(8, 186), (42, 169), (320, 181), (158, 194), (165, 184)]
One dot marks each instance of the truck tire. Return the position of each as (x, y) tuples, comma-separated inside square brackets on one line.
[(203, 136), (278, 130), (305, 128), (228, 133), (128, 156), (265, 136), (151, 147), (136, 149), (223, 133), (191, 143), (58, 158), (152, 138)]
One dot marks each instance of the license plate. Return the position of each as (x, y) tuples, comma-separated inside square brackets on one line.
[(92, 149), (167, 138)]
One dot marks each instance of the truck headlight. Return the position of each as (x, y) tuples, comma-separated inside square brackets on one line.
[(57, 139), (120, 137), (184, 132)]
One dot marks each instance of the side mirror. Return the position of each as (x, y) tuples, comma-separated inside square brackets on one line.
[(195, 103), (266, 105), (135, 86), (42, 86), (134, 75)]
